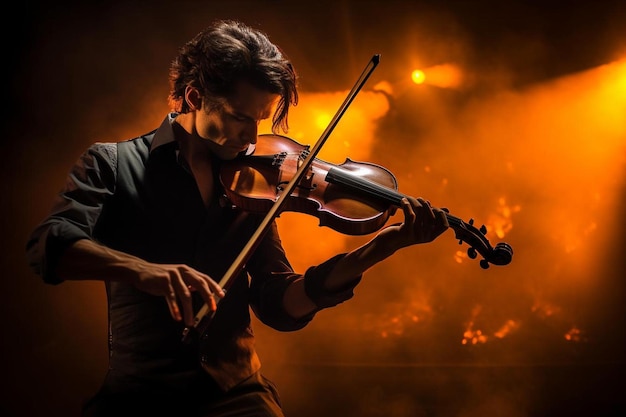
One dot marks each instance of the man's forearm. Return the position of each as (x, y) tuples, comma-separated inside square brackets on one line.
[(88, 260)]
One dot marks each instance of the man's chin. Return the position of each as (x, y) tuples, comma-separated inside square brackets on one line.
[(250, 149)]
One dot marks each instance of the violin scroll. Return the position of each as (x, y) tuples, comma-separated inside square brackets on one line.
[(501, 254)]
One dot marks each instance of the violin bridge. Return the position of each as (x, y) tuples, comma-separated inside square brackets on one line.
[(279, 158), (304, 153)]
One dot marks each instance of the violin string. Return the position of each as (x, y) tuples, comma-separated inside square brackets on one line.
[(340, 176)]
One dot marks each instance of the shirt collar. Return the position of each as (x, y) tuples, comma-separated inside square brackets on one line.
[(164, 134)]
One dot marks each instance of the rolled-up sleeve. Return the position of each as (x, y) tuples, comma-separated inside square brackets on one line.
[(314, 282), (75, 211)]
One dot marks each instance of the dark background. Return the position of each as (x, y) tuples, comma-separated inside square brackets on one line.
[(97, 71)]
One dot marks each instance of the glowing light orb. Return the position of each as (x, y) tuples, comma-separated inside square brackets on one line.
[(418, 76)]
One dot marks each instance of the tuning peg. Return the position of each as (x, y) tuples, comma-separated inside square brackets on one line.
[(471, 252), (483, 229), (484, 264), (471, 222)]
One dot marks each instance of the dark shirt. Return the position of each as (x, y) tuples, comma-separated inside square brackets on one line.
[(138, 196)]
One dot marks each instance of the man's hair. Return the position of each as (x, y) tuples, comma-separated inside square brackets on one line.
[(223, 54)]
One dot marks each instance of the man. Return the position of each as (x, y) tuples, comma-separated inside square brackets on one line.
[(148, 217)]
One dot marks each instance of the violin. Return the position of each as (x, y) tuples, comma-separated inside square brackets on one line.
[(353, 198)]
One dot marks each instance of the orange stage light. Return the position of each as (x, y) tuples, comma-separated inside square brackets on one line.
[(443, 76)]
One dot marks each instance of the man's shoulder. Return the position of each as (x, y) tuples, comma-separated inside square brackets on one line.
[(137, 147), (140, 144), (139, 141)]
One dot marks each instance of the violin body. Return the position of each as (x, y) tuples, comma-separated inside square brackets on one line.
[(255, 182)]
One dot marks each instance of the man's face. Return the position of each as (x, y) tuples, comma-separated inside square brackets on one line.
[(230, 129)]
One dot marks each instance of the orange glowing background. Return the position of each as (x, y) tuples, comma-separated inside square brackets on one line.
[(517, 122)]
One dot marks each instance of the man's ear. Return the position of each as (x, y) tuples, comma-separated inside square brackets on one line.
[(192, 97)]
